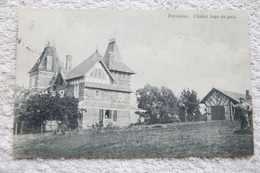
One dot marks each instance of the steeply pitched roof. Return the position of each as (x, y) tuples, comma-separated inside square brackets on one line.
[(59, 74), (64, 73), (118, 64), (232, 95), (41, 63), (86, 65)]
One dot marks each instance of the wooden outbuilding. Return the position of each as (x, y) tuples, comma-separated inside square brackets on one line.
[(218, 104)]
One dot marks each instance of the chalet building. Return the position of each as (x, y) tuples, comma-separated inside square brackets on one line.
[(218, 104), (101, 83)]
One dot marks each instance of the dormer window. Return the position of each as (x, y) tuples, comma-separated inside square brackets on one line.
[(97, 93), (49, 62)]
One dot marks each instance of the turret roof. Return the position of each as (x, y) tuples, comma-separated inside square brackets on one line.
[(118, 64), (41, 63)]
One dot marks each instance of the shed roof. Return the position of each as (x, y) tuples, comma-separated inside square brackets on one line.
[(232, 95)]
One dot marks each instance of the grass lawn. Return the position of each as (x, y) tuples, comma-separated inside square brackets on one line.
[(172, 140)]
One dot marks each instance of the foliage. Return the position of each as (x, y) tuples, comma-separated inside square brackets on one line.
[(21, 94), (68, 111), (97, 126), (160, 104), (41, 107), (187, 104)]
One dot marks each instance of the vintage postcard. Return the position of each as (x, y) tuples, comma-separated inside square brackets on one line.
[(132, 84)]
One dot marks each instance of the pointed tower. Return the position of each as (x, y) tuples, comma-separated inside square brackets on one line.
[(44, 70), (114, 62)]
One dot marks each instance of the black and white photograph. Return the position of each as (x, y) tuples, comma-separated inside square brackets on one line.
[(132, 84)]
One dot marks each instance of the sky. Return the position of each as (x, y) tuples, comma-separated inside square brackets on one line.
[(191, 51)]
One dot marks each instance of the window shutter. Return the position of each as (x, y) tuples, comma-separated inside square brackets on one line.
[(115, 116), (76, 91)]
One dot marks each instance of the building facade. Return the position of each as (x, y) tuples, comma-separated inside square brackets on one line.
[(101, 83), (218, 104)]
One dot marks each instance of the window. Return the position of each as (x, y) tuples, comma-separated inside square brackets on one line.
[(121, 96), (97, 73), (76, 91), (108, 114), (97, 93), (102, 75), (49, 62)]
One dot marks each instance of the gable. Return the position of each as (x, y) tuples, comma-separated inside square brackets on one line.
[(98, 74), (84, 67), (59, 79), (214, 95), (216, 98)]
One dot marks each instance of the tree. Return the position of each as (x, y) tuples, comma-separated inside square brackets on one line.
[(41, 107), (187, 104), (68, 111), (21, 94), (160, 104)]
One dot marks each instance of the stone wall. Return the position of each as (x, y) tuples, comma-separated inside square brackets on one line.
[(108, 100), (123, 118), (106, 96), (92, 117), (70, 90), (42, 79), (121, 79)]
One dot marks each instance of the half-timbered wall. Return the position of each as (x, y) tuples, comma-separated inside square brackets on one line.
[(215, 103), (98, 75)]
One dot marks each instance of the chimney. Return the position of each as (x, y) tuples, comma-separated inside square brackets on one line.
[(111, 59), (68, 62), (247, 94)]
